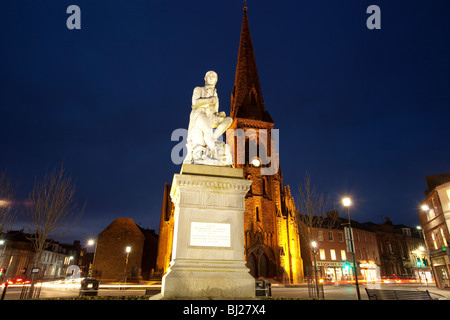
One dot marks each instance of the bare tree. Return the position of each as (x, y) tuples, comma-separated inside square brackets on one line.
[(7, 193), (313, 209), (313, 215), (52, 210)]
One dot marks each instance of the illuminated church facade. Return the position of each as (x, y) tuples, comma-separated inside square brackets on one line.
[(272, 239)]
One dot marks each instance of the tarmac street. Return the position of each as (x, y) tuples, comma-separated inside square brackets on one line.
[(331, 292)]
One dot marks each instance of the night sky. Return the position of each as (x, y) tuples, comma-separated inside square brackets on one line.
[(364, 112)]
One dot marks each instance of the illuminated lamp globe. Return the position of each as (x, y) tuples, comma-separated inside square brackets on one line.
[(347, 202), (256, 162)]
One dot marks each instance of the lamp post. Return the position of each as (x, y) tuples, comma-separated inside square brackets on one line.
[(314, 251), (347, 202), (2, 243), (426, 249), (127, 250), (90, 243)]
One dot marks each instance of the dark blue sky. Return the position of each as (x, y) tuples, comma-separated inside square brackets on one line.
[(365, 112)]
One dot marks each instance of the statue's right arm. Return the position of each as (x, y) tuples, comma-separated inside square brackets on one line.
[(198, 101)]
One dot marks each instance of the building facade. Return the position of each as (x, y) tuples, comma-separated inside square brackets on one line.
[(125, 252), (112, 261), (400, 249), (17, 254), (272, 242), (434, 217), (334, 258)]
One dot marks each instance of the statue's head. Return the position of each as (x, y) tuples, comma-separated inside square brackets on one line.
[(211, 78)]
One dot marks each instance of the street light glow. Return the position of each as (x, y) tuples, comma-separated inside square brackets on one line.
[(90, 242), (314, 244), (347, 202), (425, 207), (256, 162), (128, 249), (4, 203)]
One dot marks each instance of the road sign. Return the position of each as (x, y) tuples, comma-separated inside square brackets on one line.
[(349, 240)]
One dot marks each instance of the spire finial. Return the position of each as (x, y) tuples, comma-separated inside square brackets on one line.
[(245, 5)]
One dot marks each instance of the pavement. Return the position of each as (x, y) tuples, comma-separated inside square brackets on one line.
[(439, 293), (348, 292)]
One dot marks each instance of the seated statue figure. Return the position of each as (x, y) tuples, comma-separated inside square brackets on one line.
[(202, 145)]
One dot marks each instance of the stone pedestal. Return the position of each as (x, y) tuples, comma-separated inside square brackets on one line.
[(208, 244)]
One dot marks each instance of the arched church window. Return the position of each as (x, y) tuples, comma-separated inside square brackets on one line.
[(249, 177)]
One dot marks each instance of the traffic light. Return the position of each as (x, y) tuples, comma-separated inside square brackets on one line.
[(2, 271), (347, 265)]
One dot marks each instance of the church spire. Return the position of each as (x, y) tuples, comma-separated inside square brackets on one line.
[(246, 98)]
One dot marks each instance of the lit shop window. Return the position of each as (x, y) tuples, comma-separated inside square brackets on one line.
[(434, 241), (333, 254), (322, 254), (343, 255), (443, 238)]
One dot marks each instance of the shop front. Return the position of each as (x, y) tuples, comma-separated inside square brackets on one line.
[(342, 272), (370, 274), (440, 266), (334, 272)]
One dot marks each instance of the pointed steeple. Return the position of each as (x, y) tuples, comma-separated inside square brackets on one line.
[(246, 98)]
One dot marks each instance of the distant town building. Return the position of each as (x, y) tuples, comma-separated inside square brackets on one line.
[(124, 251), (333, 258), (401, 251), (17, 253), (434, 217)]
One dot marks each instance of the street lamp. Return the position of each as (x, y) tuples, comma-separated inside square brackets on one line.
[(427, 249), (90, 243), (127, 250), (4, 203), (347, 202), (314, 251), (2, 243)]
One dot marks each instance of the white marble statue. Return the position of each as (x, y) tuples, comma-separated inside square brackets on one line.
[(206, 125)]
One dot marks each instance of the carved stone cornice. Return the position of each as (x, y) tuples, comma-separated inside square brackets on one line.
[(209, 191)]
